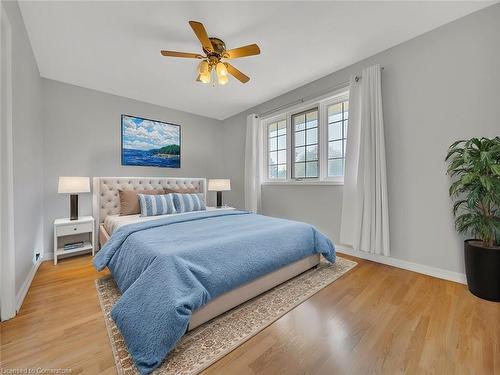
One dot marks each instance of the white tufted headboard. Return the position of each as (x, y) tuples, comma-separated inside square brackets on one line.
[(106, 200)]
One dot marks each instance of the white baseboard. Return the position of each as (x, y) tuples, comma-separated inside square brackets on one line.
[(406, 265), (27, 283)]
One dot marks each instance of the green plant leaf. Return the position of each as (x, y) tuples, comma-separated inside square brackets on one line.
[(495, 168), (468, 178), (476, 142), (457, 205), (454, 150), (455, 165), (455, 188), (485, 181)]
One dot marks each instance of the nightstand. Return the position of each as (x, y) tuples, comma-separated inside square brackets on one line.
[(68, 231)]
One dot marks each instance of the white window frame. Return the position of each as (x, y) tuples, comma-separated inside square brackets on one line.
[(265, 123), (322, 103)]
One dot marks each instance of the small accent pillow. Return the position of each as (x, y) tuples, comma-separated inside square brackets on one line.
[(153, 205), (189, 202), (129, 203)]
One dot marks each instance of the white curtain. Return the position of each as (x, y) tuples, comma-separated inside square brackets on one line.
[(253, 162), (365, 210)]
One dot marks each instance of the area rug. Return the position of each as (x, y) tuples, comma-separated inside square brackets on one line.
[(206, 344)]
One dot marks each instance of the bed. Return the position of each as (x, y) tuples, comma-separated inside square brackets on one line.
[(202, 277)]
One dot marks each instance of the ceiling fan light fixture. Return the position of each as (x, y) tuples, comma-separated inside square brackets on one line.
[(205, 78), (222, 80), (204, 75), (203, 67), (221, 69)]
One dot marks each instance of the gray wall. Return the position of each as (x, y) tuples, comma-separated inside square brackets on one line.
[(439, 87), (82, 138), (27, 148)]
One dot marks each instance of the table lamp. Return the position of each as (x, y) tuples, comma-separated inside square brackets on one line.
[(219, 185), (73, 186)]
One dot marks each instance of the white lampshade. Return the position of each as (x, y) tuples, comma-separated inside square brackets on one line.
[(73, 185), (219, 185)]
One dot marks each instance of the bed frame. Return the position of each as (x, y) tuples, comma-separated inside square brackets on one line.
[(106, 201)]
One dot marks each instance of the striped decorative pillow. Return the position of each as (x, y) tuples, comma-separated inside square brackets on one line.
[(189, 202), (152, 205)]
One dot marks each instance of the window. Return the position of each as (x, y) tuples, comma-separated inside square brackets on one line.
[(277, 159), (337, 118), (307, 143)]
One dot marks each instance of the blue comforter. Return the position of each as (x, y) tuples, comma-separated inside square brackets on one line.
[(169, 267)]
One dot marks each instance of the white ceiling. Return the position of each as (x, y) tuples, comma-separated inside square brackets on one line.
[(115, 46)]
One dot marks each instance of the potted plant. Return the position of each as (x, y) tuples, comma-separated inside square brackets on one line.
[(474, 166)]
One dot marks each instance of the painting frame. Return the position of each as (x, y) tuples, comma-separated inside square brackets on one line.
[(125, 162)]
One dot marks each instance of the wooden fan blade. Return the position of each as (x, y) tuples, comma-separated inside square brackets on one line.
[(250, 50), (202, 35), (236, 73), (182, 54)]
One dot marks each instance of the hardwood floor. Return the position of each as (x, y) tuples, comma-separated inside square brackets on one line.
[(375, 319)]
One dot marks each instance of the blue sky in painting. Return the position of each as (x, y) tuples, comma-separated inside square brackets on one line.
[(145, 135)]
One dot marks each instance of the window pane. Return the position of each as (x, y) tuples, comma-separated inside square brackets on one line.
[(281, 142), (335, 112), (335, 167), (300, 154), (312, 153), (312, 169), (312, 119), (272, 144), (335, 131), (312, 136), (337, 134), (300, 138), (282, 127), (282, 171), (300, 170), (273, 129), (335, 149), (273, 171), (282, 157), (273, 158), (299, 122)]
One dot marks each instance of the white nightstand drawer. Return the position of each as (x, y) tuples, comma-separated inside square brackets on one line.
[(65, 230)]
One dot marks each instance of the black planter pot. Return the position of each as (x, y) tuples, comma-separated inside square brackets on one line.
[(482, 267)]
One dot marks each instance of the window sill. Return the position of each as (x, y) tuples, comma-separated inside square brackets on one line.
[(304, 183)]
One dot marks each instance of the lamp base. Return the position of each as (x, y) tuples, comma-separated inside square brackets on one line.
[(73, 207), (219, 199)]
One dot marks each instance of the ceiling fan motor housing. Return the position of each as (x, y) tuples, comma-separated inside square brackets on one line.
[(218, 45)]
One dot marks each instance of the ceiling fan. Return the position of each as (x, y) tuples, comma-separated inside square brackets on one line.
[(215, 50)]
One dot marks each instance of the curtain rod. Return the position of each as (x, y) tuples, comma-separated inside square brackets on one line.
[(309, 97)]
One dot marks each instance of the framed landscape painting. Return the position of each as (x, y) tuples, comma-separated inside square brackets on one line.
[(150, 143)]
